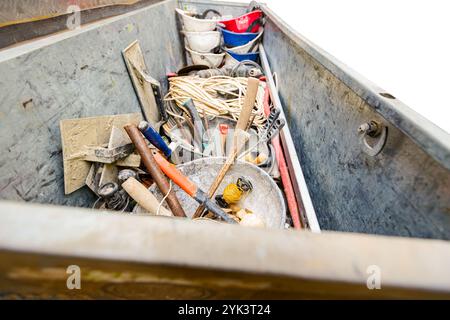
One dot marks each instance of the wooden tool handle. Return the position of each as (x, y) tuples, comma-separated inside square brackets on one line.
[(249, 102), (241, 126), (240, 139), (144, 197), (154, 170)]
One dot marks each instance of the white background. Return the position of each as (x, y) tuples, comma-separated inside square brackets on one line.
[(403, 46)]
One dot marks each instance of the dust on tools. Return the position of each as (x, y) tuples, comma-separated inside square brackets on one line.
[(199, 130), (232, 196), (93, 148), (190, 187), (153, 168), (147, 88), (270, 130), (114, 198), (144, 197), (249, 102), (154, 137)]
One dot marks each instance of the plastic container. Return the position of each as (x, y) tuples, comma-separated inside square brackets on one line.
[(234, 39), (242, 23), (202, 41)]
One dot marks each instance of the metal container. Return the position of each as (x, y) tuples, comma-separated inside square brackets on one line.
[(367, 170)]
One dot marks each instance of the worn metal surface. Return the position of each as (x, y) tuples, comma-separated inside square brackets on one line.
[(69, 75), (225, 8), (402, 191), (19, 11), (22, 20)]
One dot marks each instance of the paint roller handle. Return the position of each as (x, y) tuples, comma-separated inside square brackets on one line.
[(175, 175), (154, 137)]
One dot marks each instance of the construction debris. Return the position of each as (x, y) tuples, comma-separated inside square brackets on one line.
[(217, 110)]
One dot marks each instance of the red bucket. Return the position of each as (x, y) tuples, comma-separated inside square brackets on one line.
[(242, 23)]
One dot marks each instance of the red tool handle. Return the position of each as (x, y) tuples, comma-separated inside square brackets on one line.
[(175, 175), (284, 172)]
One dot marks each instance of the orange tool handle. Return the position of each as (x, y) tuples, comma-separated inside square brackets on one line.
[(175, 175)]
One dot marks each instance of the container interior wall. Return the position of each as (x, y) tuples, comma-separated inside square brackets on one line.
[(401, 191), (69, 75), (225, 8)]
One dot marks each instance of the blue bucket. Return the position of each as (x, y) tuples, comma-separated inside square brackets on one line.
[(233, 39), (244, 56)]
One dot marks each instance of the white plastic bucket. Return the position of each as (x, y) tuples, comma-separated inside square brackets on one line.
[(196, 25), (212, 60), (202, 41)]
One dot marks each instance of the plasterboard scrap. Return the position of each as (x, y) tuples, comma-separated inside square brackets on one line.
[(93, 177), (118, 138), (77, 134), (109, 174), (133, 160)]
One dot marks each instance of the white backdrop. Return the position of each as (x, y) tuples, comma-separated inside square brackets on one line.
[(403, 45)]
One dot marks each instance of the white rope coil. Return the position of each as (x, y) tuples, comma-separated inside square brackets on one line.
[(218, 96)]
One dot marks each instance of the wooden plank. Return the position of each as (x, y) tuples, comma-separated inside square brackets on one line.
[(37, 243)]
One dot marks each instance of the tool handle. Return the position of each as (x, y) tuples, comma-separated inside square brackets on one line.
[(144, 197), (154, 137), (249, 102), (241, 138), (154, 170), (275, 129), (273, 115), (175, 175)]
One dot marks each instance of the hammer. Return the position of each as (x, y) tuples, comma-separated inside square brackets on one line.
[(154, 170)]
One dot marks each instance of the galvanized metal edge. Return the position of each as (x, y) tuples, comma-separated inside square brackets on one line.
[(429, 137), (215, 3), (299, 183), (35, 44)]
